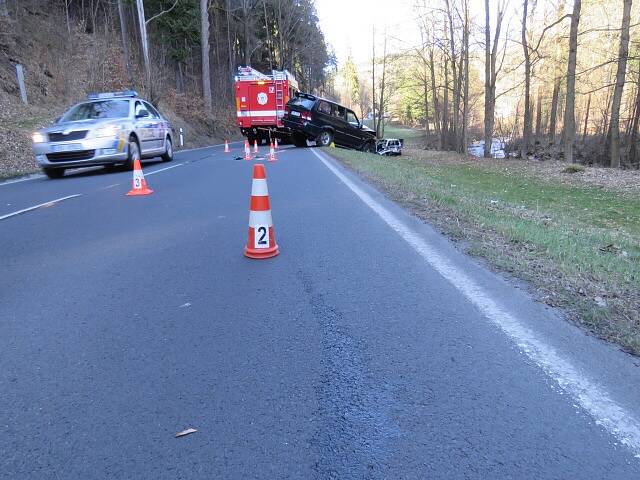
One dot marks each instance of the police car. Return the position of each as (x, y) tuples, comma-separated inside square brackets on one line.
[(108, 129)]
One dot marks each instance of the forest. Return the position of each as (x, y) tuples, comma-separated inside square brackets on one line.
[(159, 47), (553, 79)]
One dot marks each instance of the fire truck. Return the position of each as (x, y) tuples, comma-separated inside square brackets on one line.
[(260, 101)]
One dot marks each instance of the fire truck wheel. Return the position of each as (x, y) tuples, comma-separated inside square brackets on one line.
[(299, 141)]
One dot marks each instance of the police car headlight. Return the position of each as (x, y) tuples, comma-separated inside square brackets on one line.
[(38, 138), (106, 131)]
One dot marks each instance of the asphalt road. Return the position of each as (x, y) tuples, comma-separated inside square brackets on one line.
[(370, 348)]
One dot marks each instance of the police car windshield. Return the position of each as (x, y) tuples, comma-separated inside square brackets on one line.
[(100, 109)]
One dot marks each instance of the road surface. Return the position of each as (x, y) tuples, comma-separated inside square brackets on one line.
[(370, 348)]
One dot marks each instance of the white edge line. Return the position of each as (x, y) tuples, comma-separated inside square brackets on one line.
[(50, 202), (163, 169), (592, 397), (36, 176)]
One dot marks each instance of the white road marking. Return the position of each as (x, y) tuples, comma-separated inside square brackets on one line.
[(45, 204), (25, 179), (589, 395), (163, 169)]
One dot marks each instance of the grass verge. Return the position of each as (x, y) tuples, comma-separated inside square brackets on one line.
[(578, 246)]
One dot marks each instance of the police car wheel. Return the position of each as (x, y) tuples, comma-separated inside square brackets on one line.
[(54, 172), (133, 153), (168, 151)]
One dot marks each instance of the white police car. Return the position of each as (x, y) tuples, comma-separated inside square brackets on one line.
[(108, 129)]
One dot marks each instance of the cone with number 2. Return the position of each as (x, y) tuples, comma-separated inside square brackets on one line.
[(139, 186), (261, 242)]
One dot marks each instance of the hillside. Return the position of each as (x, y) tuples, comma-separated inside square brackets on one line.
[(60, 69)]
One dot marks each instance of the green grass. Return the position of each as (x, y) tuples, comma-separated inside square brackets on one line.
[(395, 131), (580, 244)]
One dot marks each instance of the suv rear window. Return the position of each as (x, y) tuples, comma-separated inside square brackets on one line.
[(302, 102)]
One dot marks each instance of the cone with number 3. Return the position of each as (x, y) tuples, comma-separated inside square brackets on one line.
[(261, 242), (139, 186)]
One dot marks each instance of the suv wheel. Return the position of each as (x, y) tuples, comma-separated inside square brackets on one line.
[(325, 138), (168, 150), (54, 172), (369, 147), (299, 140), (133, 153)]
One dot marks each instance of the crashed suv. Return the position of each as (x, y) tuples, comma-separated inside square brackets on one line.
[(325, 122)]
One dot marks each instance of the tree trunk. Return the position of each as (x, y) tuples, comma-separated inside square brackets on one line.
[(489, 100), (569, 111), (553, 118), (125, 41), (586, 119), (526, 127), (434, 92), (204, 43), (4, 10), (539, 115), (623, 53), (444, 131), (465, 97), (425, 86), (633, 139), (145, 45)]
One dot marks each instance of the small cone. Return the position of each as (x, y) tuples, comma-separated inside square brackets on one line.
[(255, 146), (261, 242), (247, 150), (226, 147), (139, 186), (272, 153), (276, 143)]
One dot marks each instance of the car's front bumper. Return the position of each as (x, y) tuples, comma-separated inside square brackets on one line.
[(80, 153)]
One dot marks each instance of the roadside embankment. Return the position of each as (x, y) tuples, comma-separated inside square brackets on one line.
[(575, 237)]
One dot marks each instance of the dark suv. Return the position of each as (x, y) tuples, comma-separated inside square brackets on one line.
[(325, 122)]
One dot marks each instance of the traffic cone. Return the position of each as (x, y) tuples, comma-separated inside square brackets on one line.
[(139, 183), (247, 150), (226, 147), (255, 146), (272, 153), (261, 242), (276, 143)]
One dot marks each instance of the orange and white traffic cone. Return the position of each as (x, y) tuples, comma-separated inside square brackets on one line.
[(272, 153), (247, 150), (255, 146), (261, 242), (226, 147), (139, 183)]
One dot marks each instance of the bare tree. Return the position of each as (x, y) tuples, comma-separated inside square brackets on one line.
[(526, 127), (125, 41), (569, 111), (490, 74), (623, 53), (204, 42)]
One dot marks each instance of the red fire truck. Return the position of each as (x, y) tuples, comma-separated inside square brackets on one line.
[(260, 101)]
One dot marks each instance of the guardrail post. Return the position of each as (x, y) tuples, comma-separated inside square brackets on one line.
[(23, 90), (181, 137)]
